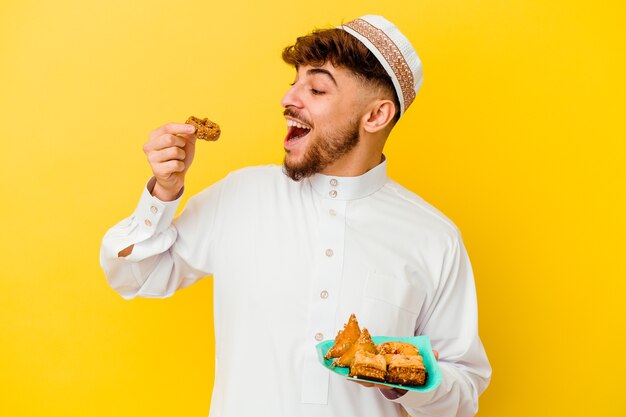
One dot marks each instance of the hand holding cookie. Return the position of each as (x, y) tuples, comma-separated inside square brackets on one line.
[(170, 150)]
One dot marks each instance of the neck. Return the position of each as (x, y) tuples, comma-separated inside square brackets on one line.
[(353, 165), (366, 155)]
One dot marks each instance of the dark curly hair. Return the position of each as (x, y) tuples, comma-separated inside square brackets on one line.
[(342, 50)]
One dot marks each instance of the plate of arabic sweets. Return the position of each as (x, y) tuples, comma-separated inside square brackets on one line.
[(397, 362)]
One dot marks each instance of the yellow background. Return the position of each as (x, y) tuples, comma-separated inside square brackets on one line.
[(517, 135)]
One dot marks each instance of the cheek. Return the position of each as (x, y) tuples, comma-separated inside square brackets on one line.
[(347, 111), (329, 111), (328, 116)]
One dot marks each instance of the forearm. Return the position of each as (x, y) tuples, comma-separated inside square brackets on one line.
[(138, 274), (456, 396), (452, 326), (130, 249)]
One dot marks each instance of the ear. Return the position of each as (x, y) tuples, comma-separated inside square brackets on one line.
[(379, 116)]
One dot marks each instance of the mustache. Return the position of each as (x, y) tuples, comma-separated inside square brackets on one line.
[(296, 115)]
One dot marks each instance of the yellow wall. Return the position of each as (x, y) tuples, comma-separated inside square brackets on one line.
[(517, 135)]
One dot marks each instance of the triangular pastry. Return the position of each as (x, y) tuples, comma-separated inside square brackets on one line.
[(345, 338), (364, 343)]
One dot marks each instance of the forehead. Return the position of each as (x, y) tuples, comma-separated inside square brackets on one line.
[(336, 75)]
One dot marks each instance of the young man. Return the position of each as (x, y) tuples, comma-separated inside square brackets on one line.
[(294, 250)]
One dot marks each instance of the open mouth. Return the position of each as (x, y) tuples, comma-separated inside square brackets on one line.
[(296, 130)]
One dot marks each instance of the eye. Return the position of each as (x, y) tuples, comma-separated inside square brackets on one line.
[(316, 92)]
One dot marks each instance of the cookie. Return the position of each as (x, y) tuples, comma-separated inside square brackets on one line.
[(205, 129)]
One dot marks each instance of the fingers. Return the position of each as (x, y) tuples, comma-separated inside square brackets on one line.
[(367, 384), (164, 141), (165, 150), (375, 385), (165, 169), (166, 154), (436, 353), (173, 129), (170, 150)]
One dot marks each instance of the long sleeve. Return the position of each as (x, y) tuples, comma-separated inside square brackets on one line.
[(452, 325), (158, 265)]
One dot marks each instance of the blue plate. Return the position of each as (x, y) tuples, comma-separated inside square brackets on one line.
[(433, 374)]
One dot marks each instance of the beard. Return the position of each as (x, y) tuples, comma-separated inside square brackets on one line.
[(323, 150)]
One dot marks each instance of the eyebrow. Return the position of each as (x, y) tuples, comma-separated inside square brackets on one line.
[(314, 71)]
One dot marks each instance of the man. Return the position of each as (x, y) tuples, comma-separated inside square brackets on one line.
[(294, 250)]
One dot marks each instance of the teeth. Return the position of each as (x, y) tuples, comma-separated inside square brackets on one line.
[(296, 124)]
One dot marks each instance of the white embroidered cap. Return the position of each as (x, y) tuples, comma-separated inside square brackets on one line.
[(394, 51)]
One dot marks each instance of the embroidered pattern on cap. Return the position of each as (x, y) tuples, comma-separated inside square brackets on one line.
[(392, 55)]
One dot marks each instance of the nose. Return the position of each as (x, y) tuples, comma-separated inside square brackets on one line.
[(292, 97)]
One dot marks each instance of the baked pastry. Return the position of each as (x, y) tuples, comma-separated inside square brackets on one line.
[(406, 370), (345, 338), (205, 129), (397, 363), (389, 349), (364, 343), (368, 365)]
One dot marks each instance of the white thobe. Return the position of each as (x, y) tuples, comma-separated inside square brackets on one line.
[(291, 261)]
